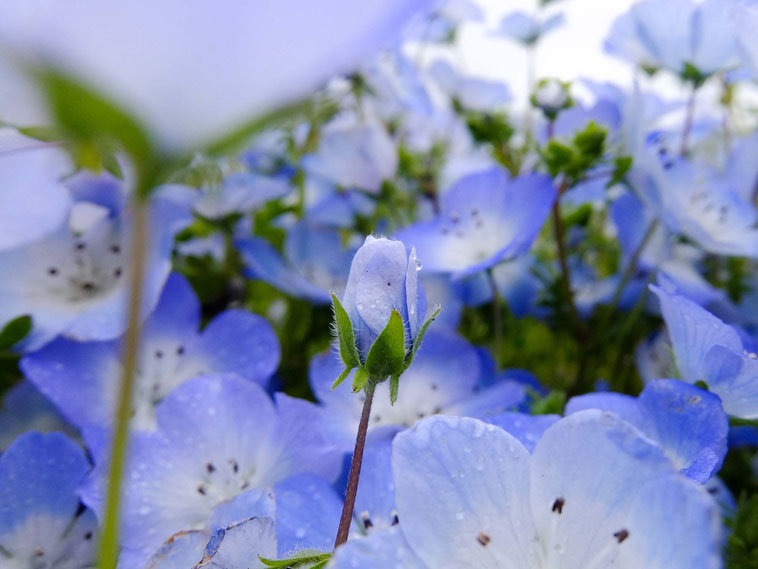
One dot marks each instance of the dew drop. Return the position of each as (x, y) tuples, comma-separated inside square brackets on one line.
[(419, 266)]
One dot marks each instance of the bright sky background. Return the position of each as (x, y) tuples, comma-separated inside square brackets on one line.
[(573, 51)]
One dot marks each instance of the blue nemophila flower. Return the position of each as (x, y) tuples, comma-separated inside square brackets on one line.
[(35, 201), (42, 524), (25, 409), (74, 282), (314, 261), (528, 28), (218, 438), (595, 493), (706, 349), (687, 422), (445, 377), (383, 277), (82, 378), (682, 36), (484, 219), (354, 154), (696, 201), (195, 50)]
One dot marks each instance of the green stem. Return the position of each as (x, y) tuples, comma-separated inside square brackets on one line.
[(355, 467), (108, 547)]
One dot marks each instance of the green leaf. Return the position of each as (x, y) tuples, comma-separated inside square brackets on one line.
[(394, 387), (89, 118), (621, 166), (306, 556), (420, 337), (342, 377), (320, 111), (360, 379), (43, 133), (345, 335), (15, 331), (386, 355)]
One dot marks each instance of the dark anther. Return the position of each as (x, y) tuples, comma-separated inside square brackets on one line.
[(88, 286), (180, 350), (88, 535), (621, 535), (159, 354), (210, 468), (713, 490), (117, 272), (395, 519), (115, 249), (235, 466), (52, 271), (437, 410), (377, 418), (367, 523), (420, 415), (483, 539), (38, 552), (389, 284), (201, 490), (245, 485), (433, 386), (558, 505), (80, 246), (474, 212)]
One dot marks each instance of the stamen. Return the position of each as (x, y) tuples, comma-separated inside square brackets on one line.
[(395, 518), (558, 505), (621, 535), (209, 466), (366, 520), (483, 539)]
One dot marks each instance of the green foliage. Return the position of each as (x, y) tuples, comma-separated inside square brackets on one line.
[(345, 335), (306, 558), (693, 75), (621, 165), (551, 404), (93, 122), (387, 354), (14, 331), (742, 543), (574, 159), (494, 128)]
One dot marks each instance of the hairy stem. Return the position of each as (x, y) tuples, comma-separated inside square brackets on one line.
[(631, 267), (108, 548), (355, 467)]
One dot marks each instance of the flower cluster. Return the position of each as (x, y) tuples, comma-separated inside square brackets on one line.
[(284, 285)]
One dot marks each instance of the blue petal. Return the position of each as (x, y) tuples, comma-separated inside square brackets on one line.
[(79, 378), (375, 500), (308, 513), (177, 312), (181, 551), (238, 545), (39, 477), (386, 549), (24, 409), (526, 428), (693, 331), (458, 480), (237, 341)]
